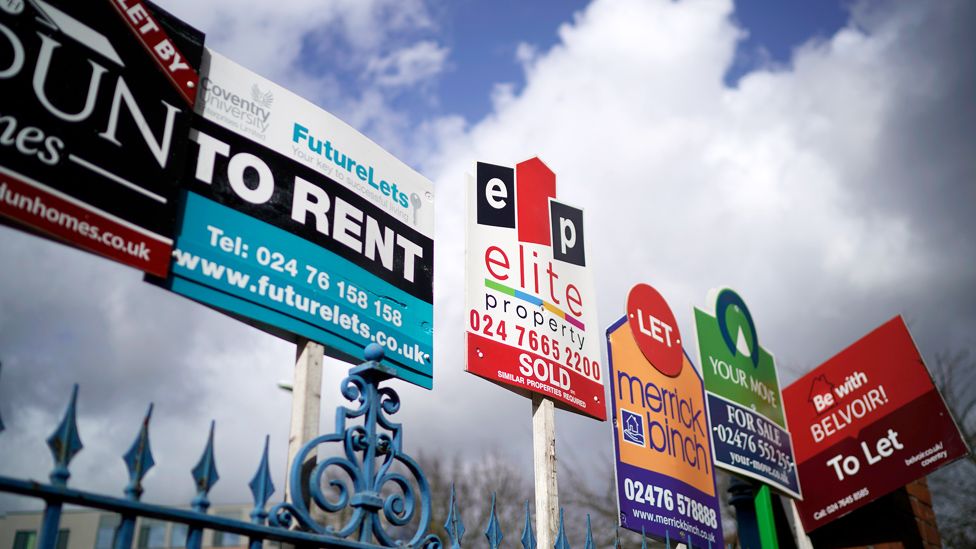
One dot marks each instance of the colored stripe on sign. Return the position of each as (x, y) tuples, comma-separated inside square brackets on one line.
[(529, 298)]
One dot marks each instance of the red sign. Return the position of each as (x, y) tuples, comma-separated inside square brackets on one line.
[(865, 423), (655, 330), (531, 307), (169, 58)]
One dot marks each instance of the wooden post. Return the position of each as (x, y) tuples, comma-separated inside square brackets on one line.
[(544, 461), (306, 400), (802, 539)]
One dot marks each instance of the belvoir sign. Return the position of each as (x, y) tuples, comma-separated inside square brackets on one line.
[(97, 100), (531, 308), (867, 422)]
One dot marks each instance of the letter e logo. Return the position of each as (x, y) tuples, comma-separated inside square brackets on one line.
[(496, 195)]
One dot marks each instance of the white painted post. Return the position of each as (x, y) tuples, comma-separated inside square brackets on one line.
[(803, 541), (544, 460), (306, 400)]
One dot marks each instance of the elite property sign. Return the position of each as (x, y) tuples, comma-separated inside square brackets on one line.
[(97, 101), (531, 307)]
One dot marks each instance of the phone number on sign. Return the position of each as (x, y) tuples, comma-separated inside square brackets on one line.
[(315, 277), (530, 340), (663, 498), (841, 503)]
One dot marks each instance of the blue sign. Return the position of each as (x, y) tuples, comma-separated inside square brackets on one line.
[(747, 442), (300, 245)]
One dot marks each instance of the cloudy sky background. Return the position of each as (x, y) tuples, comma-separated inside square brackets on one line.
[(828, 175)]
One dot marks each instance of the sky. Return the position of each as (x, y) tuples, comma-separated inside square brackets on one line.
[(815, 156)]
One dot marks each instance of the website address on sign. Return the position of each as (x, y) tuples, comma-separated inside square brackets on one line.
[(287, 296), (34, 206), (673, 522)]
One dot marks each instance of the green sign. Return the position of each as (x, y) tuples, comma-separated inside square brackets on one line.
[(734, 365)]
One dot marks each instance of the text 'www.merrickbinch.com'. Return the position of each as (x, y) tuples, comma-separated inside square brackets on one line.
[(309, 307)]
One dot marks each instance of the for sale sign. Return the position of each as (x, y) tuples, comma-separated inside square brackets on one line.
[(97, 100), (867, 422), (749, 430), (300, 224), (664, 474), (531, 308)]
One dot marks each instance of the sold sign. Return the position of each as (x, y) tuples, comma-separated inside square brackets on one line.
[(655, 329)]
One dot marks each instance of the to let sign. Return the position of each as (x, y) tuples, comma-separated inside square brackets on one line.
[(665, 475), (531, 308), (867, 422), (97, 102)]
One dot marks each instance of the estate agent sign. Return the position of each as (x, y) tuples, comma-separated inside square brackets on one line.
[(867, 422), (749, 431), (301, 225), (531, 308), (664, 471), (97, 100)]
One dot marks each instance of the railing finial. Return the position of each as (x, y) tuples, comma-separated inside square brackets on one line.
[(454, 524), (139, 459), (562, 542), (64, 442), (261, 487), (205, 474), (528, 538), (494, 531), (589, 534)]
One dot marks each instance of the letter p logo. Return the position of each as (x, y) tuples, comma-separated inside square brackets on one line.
[(566, 223)]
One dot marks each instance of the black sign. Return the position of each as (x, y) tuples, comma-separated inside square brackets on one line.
[(94, 121)]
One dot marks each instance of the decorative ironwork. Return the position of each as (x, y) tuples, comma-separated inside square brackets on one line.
[(454, 525), (139, 459), (528, 538), (494, 530), (562, 542), (384, 498), (370, 452)]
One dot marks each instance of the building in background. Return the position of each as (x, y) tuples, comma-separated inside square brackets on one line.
[(92, 529)]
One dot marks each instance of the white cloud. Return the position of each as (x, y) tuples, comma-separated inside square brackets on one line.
[(408, 66)]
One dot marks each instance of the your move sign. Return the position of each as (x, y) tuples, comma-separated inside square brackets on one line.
[(97, 99)]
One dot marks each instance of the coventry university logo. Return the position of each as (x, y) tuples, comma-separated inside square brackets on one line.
[(263, 99)]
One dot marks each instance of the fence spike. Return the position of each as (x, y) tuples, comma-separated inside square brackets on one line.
[(139, 459), (64, 442), (667, 539), (205, 474), (261, 486), (528, 538), (494, 531), (589, 534), (644, 538), (616, 538), (1, 418), (561, 541), (454, 525)]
